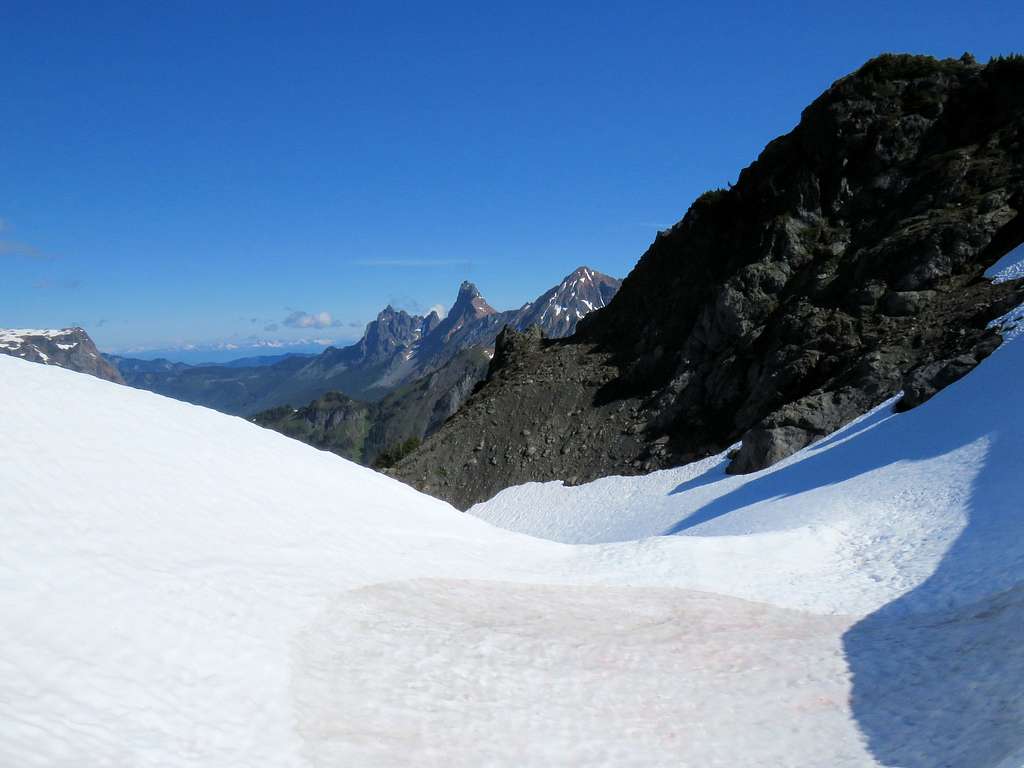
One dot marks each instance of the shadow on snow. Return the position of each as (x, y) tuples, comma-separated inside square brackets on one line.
[(938, 673)]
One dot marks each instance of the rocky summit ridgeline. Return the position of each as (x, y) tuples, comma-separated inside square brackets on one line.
[(845, 265), (396, 350), (432, 366), (70, 348)]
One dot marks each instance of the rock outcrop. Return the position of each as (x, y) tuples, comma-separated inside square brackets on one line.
[(845, 264), (70, 348)]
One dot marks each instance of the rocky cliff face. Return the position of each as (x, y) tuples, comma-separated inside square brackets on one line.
[(385, 338), (844, 265), (70, 348), (391, 331)]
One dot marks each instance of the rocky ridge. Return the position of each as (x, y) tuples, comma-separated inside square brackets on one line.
[(395, 350), (70, 348), (558, 310), (456, 355), (845, 264)]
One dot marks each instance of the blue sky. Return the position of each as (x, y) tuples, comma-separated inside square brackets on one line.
[(197, 173)]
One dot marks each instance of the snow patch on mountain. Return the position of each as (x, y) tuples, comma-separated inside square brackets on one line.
[(1010, 267), (12, 338)]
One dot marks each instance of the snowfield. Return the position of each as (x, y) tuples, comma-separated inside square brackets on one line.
[(1010, 267), (182, 588)]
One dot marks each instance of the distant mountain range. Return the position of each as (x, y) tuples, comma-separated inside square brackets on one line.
[(67, 348), (398, 384), (432, 366), (396, 349)]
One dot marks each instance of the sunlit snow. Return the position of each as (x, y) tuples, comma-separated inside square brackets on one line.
[(181, 588)]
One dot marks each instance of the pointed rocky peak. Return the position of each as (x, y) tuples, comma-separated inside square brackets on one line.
[(430, 322), (393, 329), (559, 309), (469, 317), (470, 304), (583, 273), (584, 279), (389, 315)]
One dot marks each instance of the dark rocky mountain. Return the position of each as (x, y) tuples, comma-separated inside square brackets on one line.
[(70, 348), (396, 349), (845, 265)]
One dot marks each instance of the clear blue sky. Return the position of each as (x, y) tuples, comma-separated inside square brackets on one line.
[(198, 172)]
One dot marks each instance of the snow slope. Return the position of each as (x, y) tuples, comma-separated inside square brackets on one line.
[(181, 588), (882, 472), (878, 504), (1010, 267)]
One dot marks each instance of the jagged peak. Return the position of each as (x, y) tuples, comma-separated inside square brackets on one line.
[(470, 300), (587, 274), (389, 312)]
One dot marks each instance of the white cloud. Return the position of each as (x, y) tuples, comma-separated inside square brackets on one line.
[(439, 308), (299, 319)]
